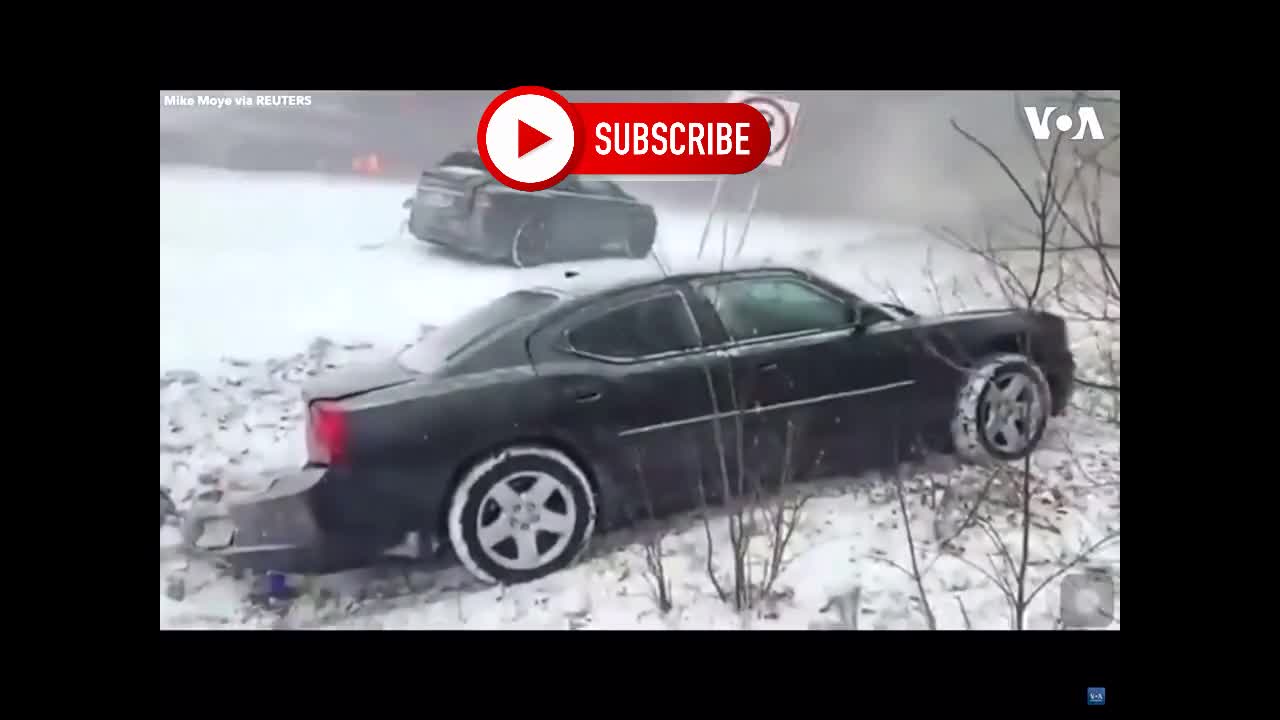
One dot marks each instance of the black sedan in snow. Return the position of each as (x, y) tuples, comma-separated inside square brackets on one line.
[(460, 206), (515, 433)]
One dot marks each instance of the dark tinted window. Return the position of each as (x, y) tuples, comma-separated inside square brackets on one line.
[(439, 346), (649, 327), (774, 306)]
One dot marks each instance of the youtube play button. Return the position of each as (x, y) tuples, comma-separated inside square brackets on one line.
[(528, 138)]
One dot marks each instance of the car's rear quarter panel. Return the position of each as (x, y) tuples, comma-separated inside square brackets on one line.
[(409, 442)]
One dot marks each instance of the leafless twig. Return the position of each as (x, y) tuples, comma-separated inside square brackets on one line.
[(655, 569), (911, 548)]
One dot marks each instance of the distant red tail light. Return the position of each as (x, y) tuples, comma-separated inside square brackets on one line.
[(369, 164), (327, 434)]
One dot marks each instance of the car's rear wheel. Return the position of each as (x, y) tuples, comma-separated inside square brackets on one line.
[(531, 245), (520, 514), (1003, 410)]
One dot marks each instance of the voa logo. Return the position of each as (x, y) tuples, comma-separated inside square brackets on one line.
[(1086, 119)]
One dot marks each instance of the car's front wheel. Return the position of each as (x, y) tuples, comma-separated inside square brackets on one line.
[(1003, 409), (520, 514)]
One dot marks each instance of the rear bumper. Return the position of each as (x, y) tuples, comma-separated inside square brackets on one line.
[(276, 530)]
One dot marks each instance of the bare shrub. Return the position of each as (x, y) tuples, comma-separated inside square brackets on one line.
[(1069, 265), (757, 511), (753, 509), (984, 499), (1067, 259), (653, 533), (1009, 555), (952, 500), (914, 572)]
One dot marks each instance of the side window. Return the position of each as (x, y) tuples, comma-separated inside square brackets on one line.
[(599, 187), (649, 327), (774, 306)]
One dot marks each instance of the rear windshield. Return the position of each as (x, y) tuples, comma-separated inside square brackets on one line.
[(468, 160), (438, 347)]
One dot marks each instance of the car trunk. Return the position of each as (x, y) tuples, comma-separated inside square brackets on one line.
[(449, 193), (328, 416), (355, 380)]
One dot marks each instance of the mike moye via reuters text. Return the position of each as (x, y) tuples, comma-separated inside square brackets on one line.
[(222, 101)]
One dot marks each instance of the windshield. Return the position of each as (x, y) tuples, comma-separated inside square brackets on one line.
[(439, 346)]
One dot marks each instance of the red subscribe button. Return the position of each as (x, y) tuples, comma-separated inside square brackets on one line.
[(531, 138)]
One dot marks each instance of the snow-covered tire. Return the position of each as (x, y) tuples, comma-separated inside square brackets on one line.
[(530, 245), (521, 514), (1002, 411)]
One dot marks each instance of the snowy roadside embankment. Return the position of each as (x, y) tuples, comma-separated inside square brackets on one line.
[(253, 268), (220, 432)]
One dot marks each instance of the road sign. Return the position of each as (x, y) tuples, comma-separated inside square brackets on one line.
[(781, 115)]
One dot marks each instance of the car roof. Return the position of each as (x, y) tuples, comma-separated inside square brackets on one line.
[(577, 286)]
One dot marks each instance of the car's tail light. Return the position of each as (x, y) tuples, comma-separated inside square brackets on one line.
[(327, 434)]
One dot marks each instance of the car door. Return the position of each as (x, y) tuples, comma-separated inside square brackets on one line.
[(630, 373), (588, 219), (770, 390), (805, 369), (863, 378)]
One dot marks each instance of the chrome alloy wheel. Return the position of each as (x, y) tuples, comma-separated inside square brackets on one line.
[(525, 520), (1011, 412)]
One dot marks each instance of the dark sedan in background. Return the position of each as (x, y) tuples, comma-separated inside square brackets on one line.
[(460, 206), (515, 433)]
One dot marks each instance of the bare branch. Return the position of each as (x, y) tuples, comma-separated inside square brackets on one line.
[(964, 614), (911, 548), (1026, 542), (994, 578), (999, 161), (655, 574), (711, 569), (1097, 386), (1080, 557)]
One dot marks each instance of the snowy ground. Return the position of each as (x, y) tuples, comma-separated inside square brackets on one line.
[(263, 281)]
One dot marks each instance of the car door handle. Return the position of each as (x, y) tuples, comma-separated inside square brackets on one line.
[(768, 367), (587, 397)]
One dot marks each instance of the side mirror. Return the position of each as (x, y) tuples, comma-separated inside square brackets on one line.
[(854, 318)]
